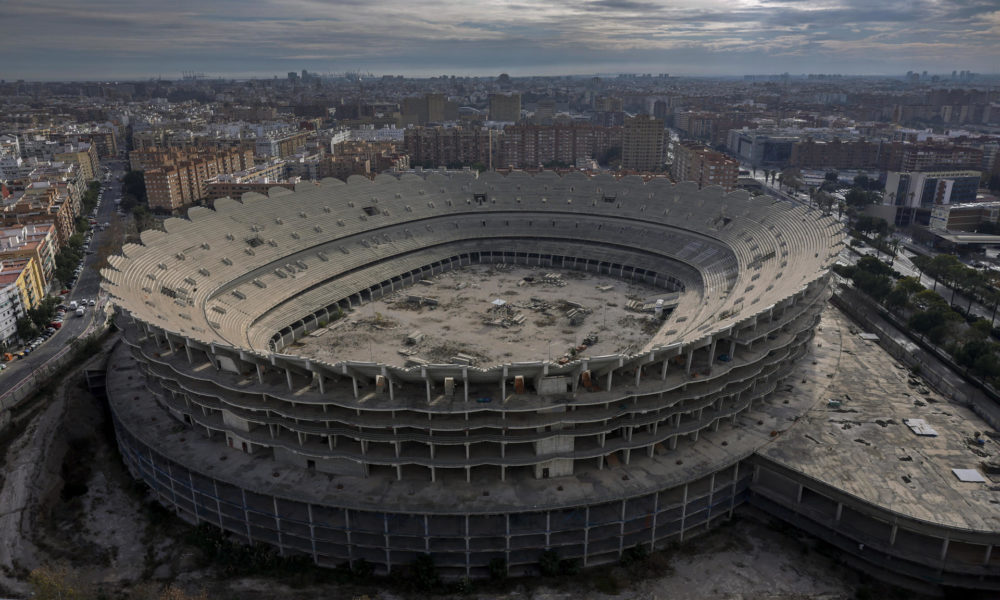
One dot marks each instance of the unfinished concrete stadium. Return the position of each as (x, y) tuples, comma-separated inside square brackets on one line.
[(486, 367)]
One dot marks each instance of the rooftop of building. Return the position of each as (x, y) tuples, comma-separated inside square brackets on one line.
[(855, 436)]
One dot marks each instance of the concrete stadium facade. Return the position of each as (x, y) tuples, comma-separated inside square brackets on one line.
[(359, 460)]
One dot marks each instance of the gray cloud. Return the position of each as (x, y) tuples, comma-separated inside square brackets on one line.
[(138, 38)]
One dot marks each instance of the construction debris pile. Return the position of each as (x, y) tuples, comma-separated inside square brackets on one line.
[(553, 279), (502, 314)]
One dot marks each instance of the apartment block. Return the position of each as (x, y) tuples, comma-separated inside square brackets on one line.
[(36, 241), (698, 163), (505, 107), (644, 143), (41, 203), (529, 146), (82, 154), (21, 273), (281, 145), (444, 146), (177, 178)]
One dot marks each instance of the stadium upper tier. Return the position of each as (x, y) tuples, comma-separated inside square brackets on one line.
[(255, 275)]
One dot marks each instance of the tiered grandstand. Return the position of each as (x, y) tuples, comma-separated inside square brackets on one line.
[(354, 459)]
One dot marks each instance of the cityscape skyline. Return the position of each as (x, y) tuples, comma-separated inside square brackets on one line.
[(111, 39)]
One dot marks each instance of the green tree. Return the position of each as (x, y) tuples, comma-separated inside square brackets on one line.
[(548, 563), (134, 184), (859, 198), (26, 328), (498, 569), (423, 574)]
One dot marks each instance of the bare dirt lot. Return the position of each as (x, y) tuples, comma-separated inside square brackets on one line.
[(492, 314)]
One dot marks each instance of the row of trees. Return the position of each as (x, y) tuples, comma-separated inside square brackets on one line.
[(966, 338), (971, 283)]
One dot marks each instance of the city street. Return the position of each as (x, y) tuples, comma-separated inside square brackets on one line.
[(87, 287)]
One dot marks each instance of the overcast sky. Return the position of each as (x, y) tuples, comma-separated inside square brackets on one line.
[(105, 39)]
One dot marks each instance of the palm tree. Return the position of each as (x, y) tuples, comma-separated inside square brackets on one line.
[(894, 244)]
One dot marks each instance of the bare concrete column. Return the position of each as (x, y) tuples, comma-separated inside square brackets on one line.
[(187, 351), (732, 348), (260, 373), (277, 521), (621, 531), (610, 373), (288, 378), (427, 380), (673, 443), (989, 552), (385, 537), (798, 496), (638, 373), (690, 359), (732, 490), (663, 369), (347, 530), (840, 506), (944, 548), (892, 534), (652, 529), (711, 497), (548, 527), (684, 508), (628, 455), (354, 382), (586, 534), (711, 353), (246, 515), (465, 379)]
